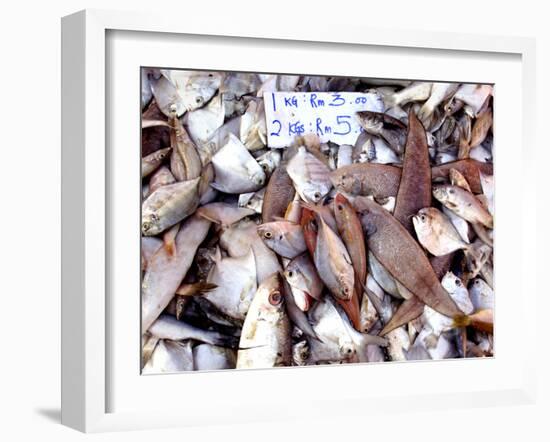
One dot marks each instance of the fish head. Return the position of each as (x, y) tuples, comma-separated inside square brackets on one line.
[(422, 220), (451, 283), (345, 287), (268, 232), (443, 193), (150, 224), (270, 295), (341, 179), (347, 350), (300, 353), (370, 122), (340, 203)]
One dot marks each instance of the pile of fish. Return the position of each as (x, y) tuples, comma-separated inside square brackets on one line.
[(316, 253)]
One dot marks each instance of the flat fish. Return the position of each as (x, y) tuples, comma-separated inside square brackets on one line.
[(310, 176), (152, 161), (283, 237), (378, 180), (415, 185), (170, 357), (235, 280), (213, 357), (236, 170), (278, 195), (169, 205)]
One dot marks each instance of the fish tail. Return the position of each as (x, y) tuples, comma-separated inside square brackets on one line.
[(461, 321), (374, 340)]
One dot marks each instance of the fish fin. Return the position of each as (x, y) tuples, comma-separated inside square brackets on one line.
[(409, 310), (199, 288), (217, 187), (461, 321), (481, 232), (374, 340)]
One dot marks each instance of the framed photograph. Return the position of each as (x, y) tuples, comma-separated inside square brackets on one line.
[(295, 211)]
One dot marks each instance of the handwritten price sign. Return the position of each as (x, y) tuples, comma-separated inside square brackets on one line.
[(330, 115)]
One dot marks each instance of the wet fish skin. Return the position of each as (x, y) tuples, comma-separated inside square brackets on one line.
[(266, 334), (310, 176), (213, 357), (240, 237), (279, 194), (351, 232), (162, 177), (185, 162), (415, 186), (469, 168), (482, 294), (236, 283), (236, 170), (164, 272), (378, 180), (333, 263), (411, 268), (392, 130), (169, 357), (168, 327), (481, 127), (463, 203), (202, 123), (152, 161), (223, 213), (436, 232), (283, 237), (301, 274), (168, 205)]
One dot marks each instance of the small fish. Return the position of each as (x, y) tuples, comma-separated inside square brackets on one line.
[(300, 273), (187, 90), (283, 237), (469, 168), (185, 162), (474, 95), (351, 232), (240, 238), (382, 276), (266, 334), (416, 91), (439, 93), (482, 294), (204, 122), (463, 203), (168, 327), (165, 272), (279, 193), (310, 176), (378, 180), (152, 161), (269, 161), (392, 130), (169, 357), (481, 154), (168, 205), (481, 127), (235, 280), (223, 213), (253, 130), (333, 263), (252, 200), (236, 170), (436, 232)]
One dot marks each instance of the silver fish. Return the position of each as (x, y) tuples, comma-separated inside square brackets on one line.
[(235, 279), (253, 130), (204, 122), (266, 334), (283, 237), (482, 294), (310, 176), (463, 203), (212, 357), (170, 357), (236, 170), (168, 205)]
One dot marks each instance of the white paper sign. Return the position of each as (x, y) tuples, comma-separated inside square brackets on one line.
[(330, 115)]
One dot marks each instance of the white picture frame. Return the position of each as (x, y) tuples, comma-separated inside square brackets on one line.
[(87, 203)]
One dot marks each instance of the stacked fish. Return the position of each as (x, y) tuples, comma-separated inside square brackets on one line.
[(317, 253)]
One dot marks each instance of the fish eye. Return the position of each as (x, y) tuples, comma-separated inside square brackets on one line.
[(316, 195), (275, 298), (340, 207), (154, 217), (146, 226), (422, 217), (198, 100), (268, 234), (264, 167), (345, 290), (290, 273), (457, 282), (451, 191)]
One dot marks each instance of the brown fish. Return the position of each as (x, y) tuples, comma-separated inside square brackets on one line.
[(469, 168), (481, 128), (378, 180), (415, 190), (185, 162), (351, 232), (152, 161), (411, 267), (463, 203), (279, 193), (162, 177), (309, 226), (392, 130)]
